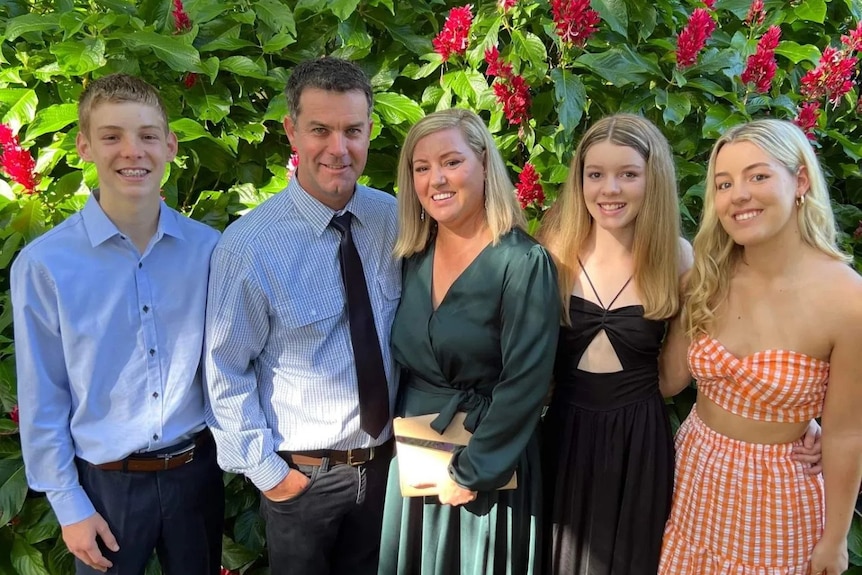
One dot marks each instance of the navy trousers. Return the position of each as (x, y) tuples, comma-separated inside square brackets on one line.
[(178, 513), (333, 527)]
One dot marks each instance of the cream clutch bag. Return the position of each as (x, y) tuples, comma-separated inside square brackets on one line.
[(424, 454)]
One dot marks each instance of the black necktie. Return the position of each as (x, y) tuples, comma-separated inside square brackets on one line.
[(373, 391)]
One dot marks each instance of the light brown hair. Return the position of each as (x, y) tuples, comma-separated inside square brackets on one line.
[(115, 89)]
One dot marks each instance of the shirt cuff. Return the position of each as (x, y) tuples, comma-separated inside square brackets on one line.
[(71, 505), (269, 473)]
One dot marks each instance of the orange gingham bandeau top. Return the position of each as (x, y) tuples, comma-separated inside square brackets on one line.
[(770, 385)]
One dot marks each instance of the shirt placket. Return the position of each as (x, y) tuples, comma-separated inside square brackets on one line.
[(155, 390)]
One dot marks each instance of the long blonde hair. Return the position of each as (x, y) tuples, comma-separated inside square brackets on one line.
[(716, 254), (567, 224), (502, 211)]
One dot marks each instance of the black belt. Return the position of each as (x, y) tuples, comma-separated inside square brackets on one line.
[(350, 457)]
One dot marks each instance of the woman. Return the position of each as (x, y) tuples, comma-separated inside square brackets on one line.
[(475, 332), (614, 234), (774, 314)]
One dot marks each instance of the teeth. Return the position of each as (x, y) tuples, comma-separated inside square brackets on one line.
[(335, 166), (746, 216), (612, 206), (134, 173), (443, 196)]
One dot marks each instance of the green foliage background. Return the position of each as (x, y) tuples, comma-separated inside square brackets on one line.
[(233, 152)]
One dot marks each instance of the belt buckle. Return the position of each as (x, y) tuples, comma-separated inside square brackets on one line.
[(354, 462), (168, 456)]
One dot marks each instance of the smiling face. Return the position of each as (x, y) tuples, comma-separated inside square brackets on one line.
[(614, 184), (449, 178), (331, 135), (755, 194), (130, 145)]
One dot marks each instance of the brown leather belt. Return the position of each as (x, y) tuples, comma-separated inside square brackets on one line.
[(350, 457), (161, 462)]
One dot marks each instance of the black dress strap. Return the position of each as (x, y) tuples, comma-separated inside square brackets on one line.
[(596, 293)]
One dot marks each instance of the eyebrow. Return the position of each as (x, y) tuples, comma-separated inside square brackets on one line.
[(147, 127), (747, 168), (626, 166)]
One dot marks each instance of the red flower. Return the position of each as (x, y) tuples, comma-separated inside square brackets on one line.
[(190, 79), (709, 4), (453, 38), (17, 162), (806, 118), (693, 37), (182, 22), (514, 95), (528, 187), (832, 77), (858, 236), (505, 5), (496, 67), (13, 415), (853, 42), (575, 21), (761, 65), (226, 571), (292, 164), (756, 14)]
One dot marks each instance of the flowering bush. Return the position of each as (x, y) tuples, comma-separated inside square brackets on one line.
[(539, 72)]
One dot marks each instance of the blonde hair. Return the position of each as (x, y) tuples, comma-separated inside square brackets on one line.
[(716, 254), (567, 224), (502, 211), (116, 89)]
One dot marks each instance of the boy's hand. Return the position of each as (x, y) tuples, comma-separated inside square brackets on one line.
[(80, 538)]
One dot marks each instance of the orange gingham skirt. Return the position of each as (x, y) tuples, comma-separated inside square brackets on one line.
[(739, 508)]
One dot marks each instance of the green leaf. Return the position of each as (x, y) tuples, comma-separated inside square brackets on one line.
[(855, 7), (798, 52), (571, 97), (22, 111), (243, 66), (343, 8), (29, 221), (397, 108), (235, 556), (276, 15), (59, 558), (31, 23), (852, 148), (676, 106), (277, 109), (811, 10), (718, 120), (466, 84), (529, 47), (178, 55), (78, 58), (13, 488), (26, 559), (614, 13), (7, 426), (52, 119), (188, 130), (621, 66), (707, 86)]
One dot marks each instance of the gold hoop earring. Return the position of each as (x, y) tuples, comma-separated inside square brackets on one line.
[(800, 201)]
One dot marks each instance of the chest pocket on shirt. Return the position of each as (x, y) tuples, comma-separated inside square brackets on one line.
[(303, 312), (390, 284)]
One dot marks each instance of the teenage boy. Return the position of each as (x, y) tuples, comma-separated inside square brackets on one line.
[(109, 311)]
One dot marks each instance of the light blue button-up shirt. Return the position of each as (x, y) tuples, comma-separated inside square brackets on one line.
[(108, 346), (279, 363)]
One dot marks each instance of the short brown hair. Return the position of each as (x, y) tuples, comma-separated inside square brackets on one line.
[(327, 73), (117, 88)]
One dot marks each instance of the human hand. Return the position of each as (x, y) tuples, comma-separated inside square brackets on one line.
[(453, 494), (829, 558), (292, 485), (810, 451), (80, 538)]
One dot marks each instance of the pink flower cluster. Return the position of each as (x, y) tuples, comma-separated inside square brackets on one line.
[(693, 37), (17, 162), (511, 89), (756, 14), (292, 164), (574, 21), (761, 66), (506, 5), (807, 117), (13, 415), (182, 22), (528, 188), (454, 36)]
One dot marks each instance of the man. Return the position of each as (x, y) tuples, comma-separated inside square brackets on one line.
[(108, 338), (298, 367)]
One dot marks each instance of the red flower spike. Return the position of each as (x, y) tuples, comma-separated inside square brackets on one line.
[(832, 77), (514, 95), (17, 162), (761, 65), (853, 41), (506, 5), (709, 4), (454, 36), (190, 79), (858, 236), (693, 37), (756, 14), (806, 118), (496, 66), (182, 22), (528, 188), (574, 21), (292, 164), (13, 415)]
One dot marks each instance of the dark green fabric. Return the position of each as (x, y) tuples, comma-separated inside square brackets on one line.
[(488, 350)]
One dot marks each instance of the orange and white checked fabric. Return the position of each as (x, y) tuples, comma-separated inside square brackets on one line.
[(739, 508), (769, 385)]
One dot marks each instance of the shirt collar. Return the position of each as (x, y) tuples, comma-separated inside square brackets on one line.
[(319, 215), (100, 228)]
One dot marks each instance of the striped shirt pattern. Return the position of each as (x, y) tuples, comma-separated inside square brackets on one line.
[(770, 385), (278, 359)]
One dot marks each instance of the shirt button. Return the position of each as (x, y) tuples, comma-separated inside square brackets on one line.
[(146, 308), (155, 437), (152, 352), (155, 395), (140, 265)]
